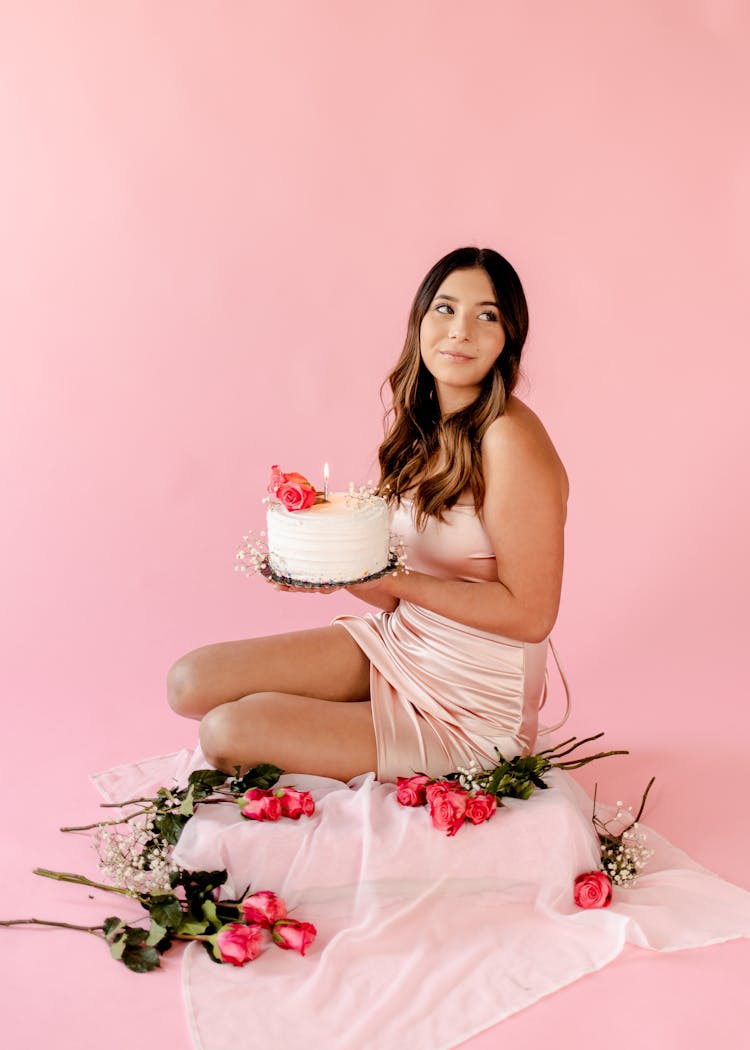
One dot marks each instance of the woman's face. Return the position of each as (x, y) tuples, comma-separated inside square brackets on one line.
[(461, 336)]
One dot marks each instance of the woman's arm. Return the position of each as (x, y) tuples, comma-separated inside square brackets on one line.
[(524, 515)]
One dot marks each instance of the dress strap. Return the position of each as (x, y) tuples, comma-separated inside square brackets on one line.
[(568, 704)]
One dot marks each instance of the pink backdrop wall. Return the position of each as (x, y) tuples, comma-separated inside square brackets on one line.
[(213, 220)]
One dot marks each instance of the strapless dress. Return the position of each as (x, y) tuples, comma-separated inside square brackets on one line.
[(442, 693)]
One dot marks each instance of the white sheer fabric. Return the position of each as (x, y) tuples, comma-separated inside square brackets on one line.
[(423, 940)]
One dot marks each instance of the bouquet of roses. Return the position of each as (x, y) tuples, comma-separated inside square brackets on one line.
[(473, 794), (135, 851)]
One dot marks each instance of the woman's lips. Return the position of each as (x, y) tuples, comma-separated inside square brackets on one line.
[(451, 355)]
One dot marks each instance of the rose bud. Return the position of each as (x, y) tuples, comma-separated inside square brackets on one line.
[(264, 908), (296, 803), (411, 791), (480, 807), (238, 943), (448, 810), (260, 805), (288, 933), (593, 889)]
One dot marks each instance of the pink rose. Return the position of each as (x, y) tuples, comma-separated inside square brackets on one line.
[(411, 791), (296, 803), (480, 807), (260, 805), (264, 908), (448, 809), (593, 889), (295, 496), (238, 943), (298, 479), (288, 933), (436, 789)]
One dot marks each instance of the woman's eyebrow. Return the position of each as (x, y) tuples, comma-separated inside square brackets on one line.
[(453, 299)]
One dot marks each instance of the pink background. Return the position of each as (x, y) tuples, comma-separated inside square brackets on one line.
[(213, 219)]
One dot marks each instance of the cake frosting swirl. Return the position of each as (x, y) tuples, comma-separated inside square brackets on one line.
[(339, 540)]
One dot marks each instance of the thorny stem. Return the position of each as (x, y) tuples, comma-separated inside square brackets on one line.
[(145, 809), (135, 801), (643, 800), (45, 922), (576, 763), (130, 802), (67, 876), (563, 743), (557, 753), (107, 823)]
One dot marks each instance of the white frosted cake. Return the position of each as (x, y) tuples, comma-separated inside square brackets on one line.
[(344, 539)]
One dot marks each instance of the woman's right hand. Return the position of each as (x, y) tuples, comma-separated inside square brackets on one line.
[(322, 589)]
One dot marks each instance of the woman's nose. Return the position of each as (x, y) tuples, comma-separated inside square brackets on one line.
[(459, 327)]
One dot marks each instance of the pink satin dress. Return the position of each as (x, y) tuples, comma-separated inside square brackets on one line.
[(443, 693)]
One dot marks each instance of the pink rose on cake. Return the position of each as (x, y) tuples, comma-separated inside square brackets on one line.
[(292, 490)]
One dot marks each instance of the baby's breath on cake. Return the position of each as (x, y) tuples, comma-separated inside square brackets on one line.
[(252, 557)]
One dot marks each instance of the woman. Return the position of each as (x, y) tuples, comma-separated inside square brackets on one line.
[(453, 665)]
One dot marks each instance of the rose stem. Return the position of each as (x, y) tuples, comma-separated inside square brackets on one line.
[(66, 876), (106, 823), (45, 922)]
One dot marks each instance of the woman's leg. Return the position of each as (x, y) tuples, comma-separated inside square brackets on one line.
[(300, 734), (269, 700), (325, 663)]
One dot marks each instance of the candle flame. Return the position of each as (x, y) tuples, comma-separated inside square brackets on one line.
[(325, 472)]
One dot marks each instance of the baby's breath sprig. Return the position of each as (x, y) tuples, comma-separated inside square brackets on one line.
[(624, 853), (252, 557), (135, 849)]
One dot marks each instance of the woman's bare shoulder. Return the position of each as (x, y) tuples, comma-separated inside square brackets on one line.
[(519, 435)]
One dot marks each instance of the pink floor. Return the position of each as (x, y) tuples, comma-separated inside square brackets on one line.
[(60, 986)]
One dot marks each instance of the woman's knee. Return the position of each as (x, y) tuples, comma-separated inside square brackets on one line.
[(185, 689), (227, 733)]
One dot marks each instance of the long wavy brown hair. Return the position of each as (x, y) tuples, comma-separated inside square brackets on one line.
[(415, 431)]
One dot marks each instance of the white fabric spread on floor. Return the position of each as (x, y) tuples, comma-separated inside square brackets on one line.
[(423, 940)]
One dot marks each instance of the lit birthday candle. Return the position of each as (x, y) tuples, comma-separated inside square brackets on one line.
[(325, 482)]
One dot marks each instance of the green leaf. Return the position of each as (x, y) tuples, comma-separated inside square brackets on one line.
[(209, 913), (166, 911), (193, 927), (263, 776), (117, 947), (170, 826), (209, 778), (213, 952), (111, 926), (141, 958), (199, 883), (155, 934), (187, 808), (134, 935)]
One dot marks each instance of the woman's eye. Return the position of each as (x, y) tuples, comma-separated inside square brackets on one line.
[(489, 313), (442, 306)]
